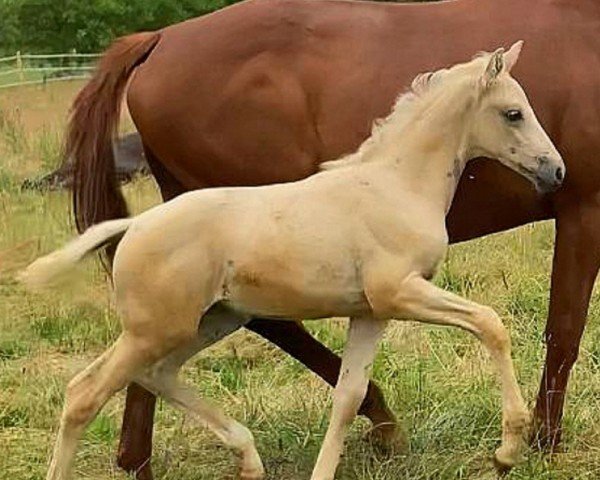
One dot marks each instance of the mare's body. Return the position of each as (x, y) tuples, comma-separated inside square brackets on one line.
[(264, 91)]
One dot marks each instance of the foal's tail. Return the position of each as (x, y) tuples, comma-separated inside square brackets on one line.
[(46, 270), (92, 125)]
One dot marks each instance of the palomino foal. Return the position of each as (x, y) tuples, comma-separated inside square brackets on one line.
[(190, 271)]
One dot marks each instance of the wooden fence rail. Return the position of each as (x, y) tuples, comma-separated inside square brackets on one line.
[(30, 69)]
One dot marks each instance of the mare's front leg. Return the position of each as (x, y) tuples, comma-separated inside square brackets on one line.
[(415, 298), (294, 339), (364, 334), (576, 262)]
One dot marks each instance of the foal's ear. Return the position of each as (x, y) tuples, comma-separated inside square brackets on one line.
[(495, 67), (511, 57)]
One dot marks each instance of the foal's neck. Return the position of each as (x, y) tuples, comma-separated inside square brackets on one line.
[(429, 153)]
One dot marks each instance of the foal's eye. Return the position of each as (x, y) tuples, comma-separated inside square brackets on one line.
[(513, 115)]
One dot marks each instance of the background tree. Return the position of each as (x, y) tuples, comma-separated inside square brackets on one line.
[(46, 26), (9, 26)]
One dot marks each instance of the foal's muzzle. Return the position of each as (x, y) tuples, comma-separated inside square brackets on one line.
[(550, 174)]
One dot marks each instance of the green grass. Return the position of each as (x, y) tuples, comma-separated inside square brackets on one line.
[(439, 381)]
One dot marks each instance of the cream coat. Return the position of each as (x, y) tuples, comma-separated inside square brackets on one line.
[(361, 239)]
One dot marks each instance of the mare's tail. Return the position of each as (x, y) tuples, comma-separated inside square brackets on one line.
[(92, 126), (45, 270)]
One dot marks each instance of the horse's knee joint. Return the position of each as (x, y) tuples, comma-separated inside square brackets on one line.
[(493, 331), (350, 397), (78, 405), (78, 413), (239, 436)]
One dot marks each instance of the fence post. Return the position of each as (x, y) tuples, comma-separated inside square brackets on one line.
[(20, 66), (73, 63)]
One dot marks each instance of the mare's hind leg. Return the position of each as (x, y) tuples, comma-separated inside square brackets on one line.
[(420, 300), (135, 446), (90, 390)]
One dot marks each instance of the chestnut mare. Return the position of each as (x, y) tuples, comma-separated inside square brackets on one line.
[(223, 99)]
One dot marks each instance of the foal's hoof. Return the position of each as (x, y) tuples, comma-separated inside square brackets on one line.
[(254, 474), (502, 468), (505, 460), (388, 437)]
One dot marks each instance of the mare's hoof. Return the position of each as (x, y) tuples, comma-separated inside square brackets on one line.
[(546, 440), (144, 473), (388, 437)]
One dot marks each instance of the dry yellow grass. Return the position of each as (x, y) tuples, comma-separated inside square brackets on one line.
[(437, 380)]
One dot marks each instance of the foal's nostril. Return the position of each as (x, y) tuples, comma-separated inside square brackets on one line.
[(549, 174)]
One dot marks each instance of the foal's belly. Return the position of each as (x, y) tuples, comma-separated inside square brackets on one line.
[(284, 291)]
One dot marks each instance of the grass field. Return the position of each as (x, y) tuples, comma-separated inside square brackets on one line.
[(439, 381)]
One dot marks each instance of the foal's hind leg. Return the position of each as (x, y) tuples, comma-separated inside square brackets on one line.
[(68, 433), (90, 390), (162, 380), (420, 300)]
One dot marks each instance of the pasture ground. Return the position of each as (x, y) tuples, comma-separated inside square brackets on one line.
[(439, 381)]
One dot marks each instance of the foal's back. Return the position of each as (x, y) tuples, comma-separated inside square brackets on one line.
[(282, 250)]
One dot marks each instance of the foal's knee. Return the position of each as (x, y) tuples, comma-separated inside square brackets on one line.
[(348, 399), (238, 436), (79, 407), (492, 331)]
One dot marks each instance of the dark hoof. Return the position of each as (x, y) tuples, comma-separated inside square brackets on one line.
[(388, 437), (141, 473), (546, 440), (145, 475)]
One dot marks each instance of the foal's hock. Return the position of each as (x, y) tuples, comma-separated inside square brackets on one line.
[(361, 239)]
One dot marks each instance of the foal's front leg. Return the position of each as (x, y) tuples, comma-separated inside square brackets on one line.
[(420, 300), (364, 334), (294, 339)]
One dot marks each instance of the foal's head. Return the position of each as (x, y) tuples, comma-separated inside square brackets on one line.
[(501, 123)]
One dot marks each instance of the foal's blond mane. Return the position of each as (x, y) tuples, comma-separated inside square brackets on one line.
[(427, 90)]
